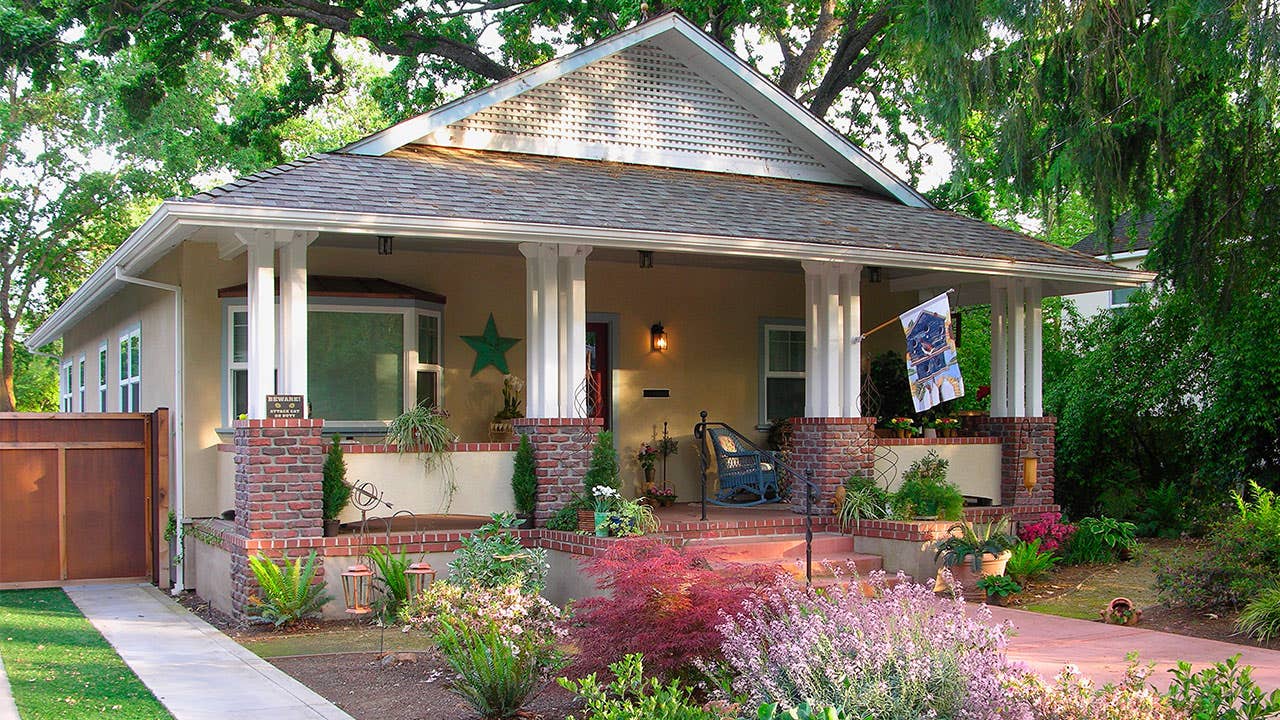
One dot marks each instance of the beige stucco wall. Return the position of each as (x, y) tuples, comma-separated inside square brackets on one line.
[(482, 480), (974, 468)]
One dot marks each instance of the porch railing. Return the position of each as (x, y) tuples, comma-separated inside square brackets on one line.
[(798, 477)]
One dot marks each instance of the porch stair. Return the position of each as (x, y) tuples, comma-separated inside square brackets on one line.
[(834, 558)]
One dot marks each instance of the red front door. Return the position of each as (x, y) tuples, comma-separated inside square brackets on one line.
[(599, 373)]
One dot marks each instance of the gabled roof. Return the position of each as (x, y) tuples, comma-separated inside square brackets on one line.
[(1127, 235), (437, 182), (662, 93)]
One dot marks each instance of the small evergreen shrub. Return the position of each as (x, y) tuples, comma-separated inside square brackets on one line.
[(337, 493), (287, 591), (1100, 540), (524, 478), (1222, 692), (603, 469)]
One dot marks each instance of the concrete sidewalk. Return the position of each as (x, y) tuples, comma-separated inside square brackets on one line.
[(8, 710), (197, 672), (1047, 642)]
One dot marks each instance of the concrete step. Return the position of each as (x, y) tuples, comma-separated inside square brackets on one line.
[(775, 547)]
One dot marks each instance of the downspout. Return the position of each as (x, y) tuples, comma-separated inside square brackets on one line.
[(179, 454)]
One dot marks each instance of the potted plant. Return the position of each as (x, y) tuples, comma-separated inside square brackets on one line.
[(424, 430), (606, 499), (904, 426), (1120, 611), (524, 481), (925, 493), (930, 427), (972, 551), (628, 518), (998, 588), (947, 426), (648, 459), (336, 491), (502, 429), (663, 496)]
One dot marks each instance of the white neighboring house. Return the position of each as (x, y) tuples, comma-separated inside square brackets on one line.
[(1128, 248)]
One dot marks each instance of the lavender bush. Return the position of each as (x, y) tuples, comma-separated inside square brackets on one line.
[(903, 654)]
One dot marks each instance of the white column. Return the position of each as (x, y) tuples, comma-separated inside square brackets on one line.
[(543, 344), (262, 318), (1035, 351), (813, 391), (851, 364), (1017, 350), (293, 310), (999, 355), (573, 328)]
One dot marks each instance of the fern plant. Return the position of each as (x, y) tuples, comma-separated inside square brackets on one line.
[(288, 594), (392, 580), (1028, 562)]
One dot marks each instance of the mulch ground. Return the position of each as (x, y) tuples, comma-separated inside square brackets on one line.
[(359, 684)]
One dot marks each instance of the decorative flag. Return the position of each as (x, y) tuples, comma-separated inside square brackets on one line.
[(932, 365)]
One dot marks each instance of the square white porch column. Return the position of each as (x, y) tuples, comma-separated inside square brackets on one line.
[(1017, 353), (1035, 350), (851, 365), (542, 293), (293, 310), (261, 247), (572, 280), (833, 361), (999, 349)]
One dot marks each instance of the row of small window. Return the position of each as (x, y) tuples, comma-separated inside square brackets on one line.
[(73, 380), (357, 358)]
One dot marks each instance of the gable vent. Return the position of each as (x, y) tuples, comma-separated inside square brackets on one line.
[(642, 106)]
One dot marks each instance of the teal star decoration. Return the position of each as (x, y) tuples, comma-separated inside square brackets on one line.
[(491, 348)]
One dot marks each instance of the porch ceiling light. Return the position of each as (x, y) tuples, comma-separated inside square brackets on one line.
[(646, 258), (658, 338), (355, 589), (873, 274), (384, 244), (418, 576)]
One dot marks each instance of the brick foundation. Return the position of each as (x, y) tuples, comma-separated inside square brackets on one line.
[(562, 453), (279, 496), (831, 450), (1018, 435)]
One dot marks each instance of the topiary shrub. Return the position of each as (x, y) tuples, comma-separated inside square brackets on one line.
[(337, 493), (603, 470), (524, 478)]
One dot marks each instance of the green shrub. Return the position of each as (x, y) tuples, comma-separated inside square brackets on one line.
[(1100, 540), (524, 477), (999, 586), (925, 491), (391, 579), (1163, 512), (1027, 562), (603, 469), (633, 697), (1223, 692), (1238, 560), (287, 593), (864, 498), (773, 711), (1261, 617), (491, 556), (335, 488), (566, 518)]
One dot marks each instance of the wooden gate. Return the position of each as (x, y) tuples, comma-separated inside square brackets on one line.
[(77, 494)]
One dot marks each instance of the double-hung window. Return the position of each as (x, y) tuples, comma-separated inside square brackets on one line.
[(131, 371), (64, 388), (102, 377), (238, 361), (782, 365), (80, 379), (427, 352)]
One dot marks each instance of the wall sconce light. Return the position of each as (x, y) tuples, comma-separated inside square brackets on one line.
[(355, 589), (657, 338), (384, 244), (873, 274), (1030, 465), (418, 576), (646, 258)]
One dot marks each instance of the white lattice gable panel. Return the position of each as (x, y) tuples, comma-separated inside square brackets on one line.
[(640, 105)]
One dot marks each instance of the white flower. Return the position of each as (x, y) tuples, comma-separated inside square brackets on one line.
[(604, 491)]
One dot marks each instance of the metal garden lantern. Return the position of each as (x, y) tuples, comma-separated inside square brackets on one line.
[(355, 589), (1029, 470), (418, 576)]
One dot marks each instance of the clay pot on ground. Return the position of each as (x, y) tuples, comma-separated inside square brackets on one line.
[(1120, 611)]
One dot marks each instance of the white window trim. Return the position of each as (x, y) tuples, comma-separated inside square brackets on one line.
[(104, 372), (230, 366), (64, 387), (81, 380), (135, 373), (767, 325), (411, 366)]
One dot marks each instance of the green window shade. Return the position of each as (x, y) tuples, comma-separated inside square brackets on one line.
[(428, 339), (355, 365)]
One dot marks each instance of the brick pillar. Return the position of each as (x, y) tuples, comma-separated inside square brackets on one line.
[(1017, 435), (831, 450), (562, 454), (279, 493)]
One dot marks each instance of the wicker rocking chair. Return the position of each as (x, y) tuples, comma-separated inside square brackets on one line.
[(746, 476)]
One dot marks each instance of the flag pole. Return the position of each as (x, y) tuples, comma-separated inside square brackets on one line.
[(888, 322)]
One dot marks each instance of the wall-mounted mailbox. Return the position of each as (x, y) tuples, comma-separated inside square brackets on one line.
[(657, 392)]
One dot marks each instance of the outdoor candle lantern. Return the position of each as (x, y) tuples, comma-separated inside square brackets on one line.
[(355, 589), (658, 338), (1029, 466), (418, 576)]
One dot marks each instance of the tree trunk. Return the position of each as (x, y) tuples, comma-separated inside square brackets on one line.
[(8, 403)]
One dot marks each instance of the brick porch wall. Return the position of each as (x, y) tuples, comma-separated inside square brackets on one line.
[(1016, 436), (278, 493), (562, 453), (831, 450)]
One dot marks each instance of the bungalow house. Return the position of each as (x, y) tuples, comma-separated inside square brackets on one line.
[(549, 226)]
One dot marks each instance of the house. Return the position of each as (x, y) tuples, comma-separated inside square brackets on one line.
[(1128, 247), (553, 224)]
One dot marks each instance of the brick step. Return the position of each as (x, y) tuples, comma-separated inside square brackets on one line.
[(775, 547)]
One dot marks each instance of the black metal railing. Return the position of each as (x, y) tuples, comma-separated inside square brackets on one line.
[(798, 478)]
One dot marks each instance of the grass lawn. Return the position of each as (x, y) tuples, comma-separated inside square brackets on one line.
[(59, 666), (1081, 591)]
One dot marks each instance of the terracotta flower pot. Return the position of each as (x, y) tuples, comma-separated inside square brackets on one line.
[(331, 527), (967, 579), (1121, 611)]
